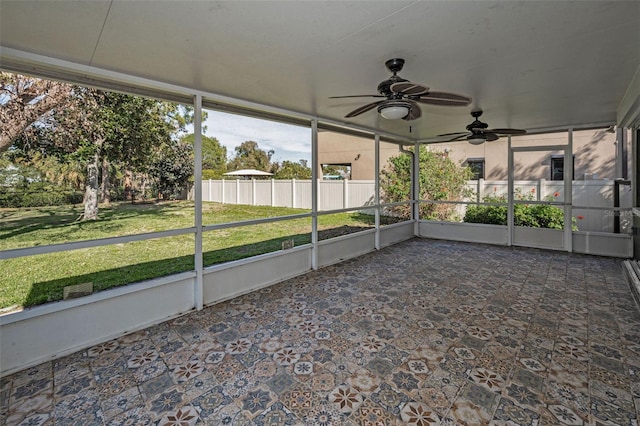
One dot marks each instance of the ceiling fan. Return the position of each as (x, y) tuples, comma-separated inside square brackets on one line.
[(401, 97), (478, 132)]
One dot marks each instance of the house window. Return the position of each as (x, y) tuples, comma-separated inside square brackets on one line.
[(557, 167), (336, 171), (477, 167)]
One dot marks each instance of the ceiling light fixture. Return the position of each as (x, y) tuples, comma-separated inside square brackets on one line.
[(394, 110), (476, 139)]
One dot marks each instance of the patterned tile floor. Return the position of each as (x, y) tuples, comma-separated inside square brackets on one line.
[(424, 332)]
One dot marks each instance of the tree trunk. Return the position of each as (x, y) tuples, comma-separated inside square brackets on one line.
[(16, 115), (91, 191), (105, 186), (128, 185)]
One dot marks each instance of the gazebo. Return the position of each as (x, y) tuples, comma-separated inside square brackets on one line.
[(249, 173)]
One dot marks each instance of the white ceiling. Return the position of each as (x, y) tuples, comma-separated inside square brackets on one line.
[(527, 64)]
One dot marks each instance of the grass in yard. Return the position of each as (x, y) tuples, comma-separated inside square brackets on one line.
[(32, 280)]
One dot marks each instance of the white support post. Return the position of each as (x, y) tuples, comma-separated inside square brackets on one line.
[(210, 185), (253, 192), (539, 190), (237, 191), (568, 192), (197, 154), (273, 193), (376, 191), (314, 194), (345, 193), (480, 191), (222, 191), (415, 184), (542, 189), (620, 163), (510, 221), (633, 176), (293, 193)]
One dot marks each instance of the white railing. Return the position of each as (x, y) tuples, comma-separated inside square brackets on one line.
[(592, 199)]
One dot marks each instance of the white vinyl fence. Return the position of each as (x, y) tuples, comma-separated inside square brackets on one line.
[(332, 194), (592, 199)]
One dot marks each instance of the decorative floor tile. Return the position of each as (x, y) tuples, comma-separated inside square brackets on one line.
[(187, 371), (529, 379), (607, 412), (425, 331), (324, 414), (257, 401), (299, 400), (522, 395), (565, 415), (569, 396), (364, 381), (167, 401), (487, 378), (465, 413), (479, 396), (143, 358), (345, 398), (38, 419), (509, 413), (124, 401), (276, 415)]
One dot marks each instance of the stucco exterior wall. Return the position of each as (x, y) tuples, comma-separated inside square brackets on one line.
[(336, 148), (594, 152)]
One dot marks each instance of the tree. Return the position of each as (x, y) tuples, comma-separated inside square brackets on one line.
[(25, 100), (440, 180), (214, 156), (172, 169), (106, 132), (249, 156), (291, 170)]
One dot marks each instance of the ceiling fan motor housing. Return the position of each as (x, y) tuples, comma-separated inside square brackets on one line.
[(394, 65), (384, 88)]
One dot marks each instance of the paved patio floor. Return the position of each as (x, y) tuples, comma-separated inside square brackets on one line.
[(424, 332)]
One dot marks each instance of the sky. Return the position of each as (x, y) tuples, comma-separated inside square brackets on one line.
[(289, 142)]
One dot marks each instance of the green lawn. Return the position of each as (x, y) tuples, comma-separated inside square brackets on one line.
[(33, 280)]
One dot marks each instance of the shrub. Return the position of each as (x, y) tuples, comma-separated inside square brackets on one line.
[(440, 180), (531, 215), (38, 194)]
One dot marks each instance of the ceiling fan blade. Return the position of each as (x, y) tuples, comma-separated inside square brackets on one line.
[(458, 138), (409, 89), (357, 96), (507, 131), (364, 108), (414, 113), (455, 134), (490, 137), (443, 99)]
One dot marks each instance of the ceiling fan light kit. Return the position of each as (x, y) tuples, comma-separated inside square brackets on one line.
[(394, 110), (476, 140), (401, 97)]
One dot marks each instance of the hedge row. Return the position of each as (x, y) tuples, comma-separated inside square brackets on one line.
[(17, 199)]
